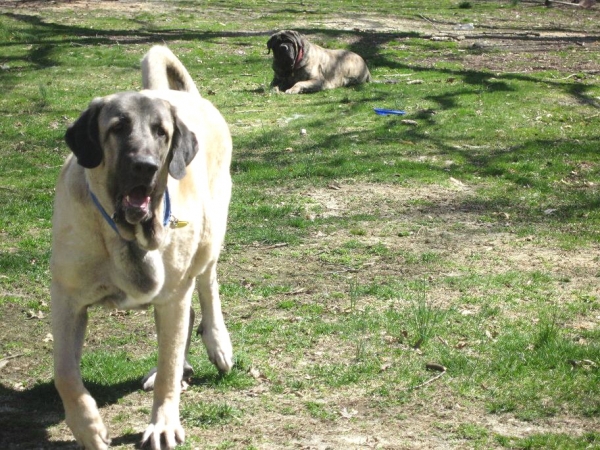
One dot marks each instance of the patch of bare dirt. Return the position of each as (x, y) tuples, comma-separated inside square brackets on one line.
[(419, 220)]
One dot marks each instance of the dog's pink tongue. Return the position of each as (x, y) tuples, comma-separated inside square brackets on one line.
[(137, 198)]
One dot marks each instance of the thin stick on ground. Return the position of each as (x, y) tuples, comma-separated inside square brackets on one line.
[(438, 367)]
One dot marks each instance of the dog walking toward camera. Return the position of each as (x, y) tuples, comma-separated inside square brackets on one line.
[(302, 67), (139, 219)]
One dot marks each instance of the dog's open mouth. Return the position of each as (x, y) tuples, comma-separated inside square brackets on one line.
[(137, 198), (136, 204)]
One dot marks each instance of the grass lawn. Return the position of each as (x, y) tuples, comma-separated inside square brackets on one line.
[(364, 256)]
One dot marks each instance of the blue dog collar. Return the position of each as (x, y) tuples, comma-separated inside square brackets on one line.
[(167, 219)]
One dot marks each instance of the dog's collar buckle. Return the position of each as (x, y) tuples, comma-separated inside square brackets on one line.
[(170, 219)]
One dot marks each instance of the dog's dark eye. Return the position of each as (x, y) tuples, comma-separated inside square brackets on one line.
[(120, 125), (160, 132)]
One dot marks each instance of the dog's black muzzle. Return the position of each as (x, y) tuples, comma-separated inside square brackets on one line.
[(137, 181), (284, 57)]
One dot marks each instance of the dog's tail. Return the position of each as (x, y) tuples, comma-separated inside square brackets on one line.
[(162, 70)]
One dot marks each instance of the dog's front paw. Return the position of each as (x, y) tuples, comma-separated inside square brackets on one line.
[(218, 346), (165, 425), (294, 90), (88, 429)]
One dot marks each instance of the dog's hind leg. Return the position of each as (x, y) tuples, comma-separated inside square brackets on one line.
[(81, 412), (188, 370), (212, 326)]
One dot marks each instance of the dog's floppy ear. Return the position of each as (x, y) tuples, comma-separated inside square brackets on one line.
[(184, 147), (273, 41), (83, 136), (296, 39), (293, 35)]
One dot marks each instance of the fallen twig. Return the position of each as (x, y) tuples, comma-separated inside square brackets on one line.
[(430, 366), (278, 245), (4, 361), (430, 21), (295, 292), (551, 2), (337, 272)]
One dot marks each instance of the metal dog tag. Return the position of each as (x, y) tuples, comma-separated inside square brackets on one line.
[(176, 223)]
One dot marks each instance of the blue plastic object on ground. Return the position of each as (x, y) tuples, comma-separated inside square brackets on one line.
[(389, 112)]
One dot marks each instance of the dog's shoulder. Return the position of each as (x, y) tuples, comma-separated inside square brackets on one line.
[(71, 184)]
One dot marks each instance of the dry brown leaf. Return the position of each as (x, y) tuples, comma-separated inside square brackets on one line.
[(31, 314), (348, 414)]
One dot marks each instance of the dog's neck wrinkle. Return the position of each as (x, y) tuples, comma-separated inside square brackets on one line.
[(149, 235), (139, 273)]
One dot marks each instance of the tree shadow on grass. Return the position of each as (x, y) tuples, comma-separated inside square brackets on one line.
[(371, 45), (368, 44), (374, 46)]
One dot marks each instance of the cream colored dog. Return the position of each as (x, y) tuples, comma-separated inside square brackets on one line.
[(139, 217)]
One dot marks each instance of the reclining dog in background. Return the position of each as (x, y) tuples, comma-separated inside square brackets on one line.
[(300, 66), (140, 211)]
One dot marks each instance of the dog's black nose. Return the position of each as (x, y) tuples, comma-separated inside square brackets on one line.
[(144, 165)]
